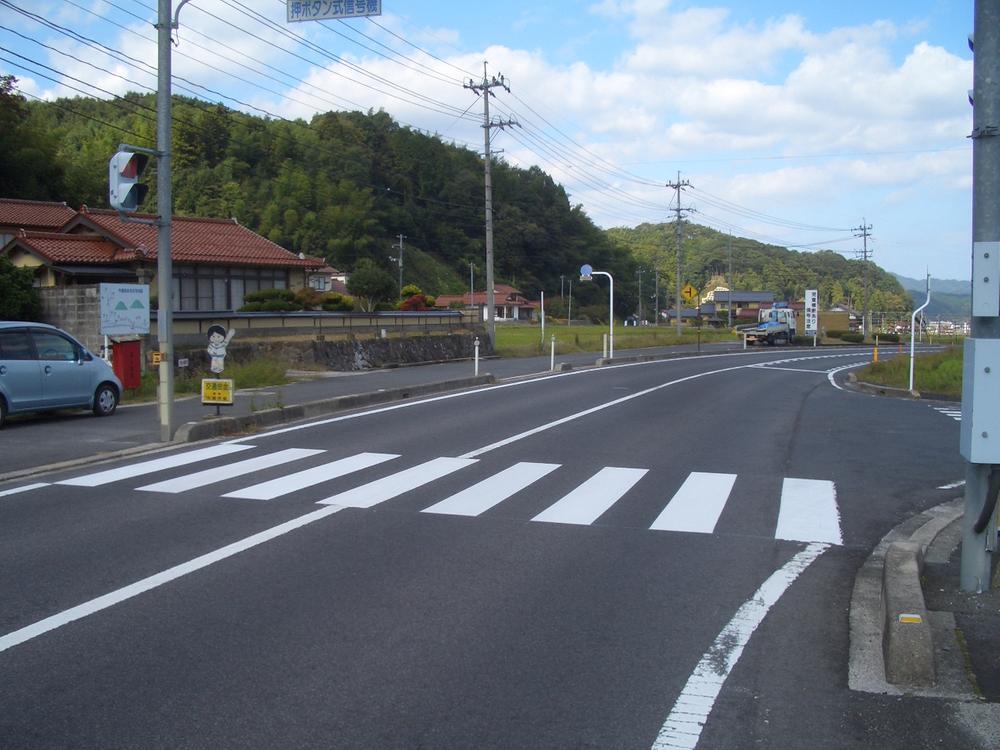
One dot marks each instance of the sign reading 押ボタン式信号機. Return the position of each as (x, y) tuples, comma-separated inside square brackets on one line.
[(124, 309), (320, 10)]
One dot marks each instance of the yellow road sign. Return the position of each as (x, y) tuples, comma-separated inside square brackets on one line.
[(689, 292), (157, 357), (216, 391)]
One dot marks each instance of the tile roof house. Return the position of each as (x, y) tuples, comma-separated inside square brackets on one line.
[(215, 261), (509, 302)]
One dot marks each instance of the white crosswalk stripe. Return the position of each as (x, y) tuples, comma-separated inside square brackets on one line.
[(807, 509), (950, 411), (229, 471), (808, 512), (157, 464), (308, 477), (697, 505), (590, 500), (483, 495), (396, 484)]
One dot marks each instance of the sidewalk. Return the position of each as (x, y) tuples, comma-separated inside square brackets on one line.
[(913, 621)]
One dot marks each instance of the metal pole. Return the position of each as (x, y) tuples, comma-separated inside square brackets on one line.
[(475, 356), (569, 312), (543, 319), (164, 263), (975, 566), (729, 301), (552, 359), (913, 322), (611, 311)]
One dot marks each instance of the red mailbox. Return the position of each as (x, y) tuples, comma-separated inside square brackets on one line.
[(127, 363)]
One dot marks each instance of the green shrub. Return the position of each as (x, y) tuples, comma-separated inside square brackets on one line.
[(853, 338), (802, 340), (337, 302), (835, 334), (889, 338), (265, 295)]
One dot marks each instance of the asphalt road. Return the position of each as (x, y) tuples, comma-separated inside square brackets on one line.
[(650, 555)]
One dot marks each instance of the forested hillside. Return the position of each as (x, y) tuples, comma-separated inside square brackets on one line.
[(756, 266), (345, 185)]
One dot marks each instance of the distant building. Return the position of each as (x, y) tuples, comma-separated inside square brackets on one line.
[(510, 304)]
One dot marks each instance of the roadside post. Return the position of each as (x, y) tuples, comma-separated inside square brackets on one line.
[(475, 356), (552, 359)]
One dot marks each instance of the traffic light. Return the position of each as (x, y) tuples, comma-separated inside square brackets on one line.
[(125, 192)]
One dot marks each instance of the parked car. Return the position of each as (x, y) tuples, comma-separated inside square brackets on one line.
[(44, 368)]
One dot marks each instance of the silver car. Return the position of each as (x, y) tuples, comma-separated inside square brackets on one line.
[(44, 368)]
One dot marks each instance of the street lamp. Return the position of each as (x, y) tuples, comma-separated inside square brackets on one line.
[(586, 274)]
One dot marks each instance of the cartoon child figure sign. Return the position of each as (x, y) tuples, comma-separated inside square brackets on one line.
[(218, 340)]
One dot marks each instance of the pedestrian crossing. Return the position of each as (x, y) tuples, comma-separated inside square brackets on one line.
[(807, 509), (955, 412)]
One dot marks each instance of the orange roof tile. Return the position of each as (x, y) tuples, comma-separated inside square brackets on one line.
[(39, 215), (193, 240), (74, 248)]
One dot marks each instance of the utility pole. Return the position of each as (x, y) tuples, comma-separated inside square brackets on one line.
[(639, 274), (678, 212), (399, 261), (656, 297), (729, 306), (864, 231), (485, 88), (980, 433), (562, 282)]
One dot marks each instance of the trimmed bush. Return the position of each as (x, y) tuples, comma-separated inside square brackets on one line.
[(889, 338), (265, 295), (337, 302), (835, 334), (802, 340), (853, 338)]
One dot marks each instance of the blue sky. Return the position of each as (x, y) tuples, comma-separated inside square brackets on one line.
[(794, 122)]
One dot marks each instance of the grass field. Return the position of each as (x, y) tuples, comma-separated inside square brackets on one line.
[(526, 341), (939, 373)]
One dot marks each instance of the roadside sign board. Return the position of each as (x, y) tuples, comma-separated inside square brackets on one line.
[(811, 312), (320, 10), (586, 272), (688, 292), (124, 309), (217, 391)]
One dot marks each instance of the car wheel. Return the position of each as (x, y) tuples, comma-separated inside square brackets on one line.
[(3, 412), (105, 400)]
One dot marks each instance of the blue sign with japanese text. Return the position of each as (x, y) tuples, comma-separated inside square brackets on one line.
[(319, 10)]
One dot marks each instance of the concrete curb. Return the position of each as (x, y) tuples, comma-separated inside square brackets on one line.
[(220, 426), (907, 647), (893, 660)]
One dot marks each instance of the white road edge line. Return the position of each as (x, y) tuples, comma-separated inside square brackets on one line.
[(80, 611), (834, 371), (687, 718)]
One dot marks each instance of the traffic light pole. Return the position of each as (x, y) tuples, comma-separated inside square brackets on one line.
[(164, 198)]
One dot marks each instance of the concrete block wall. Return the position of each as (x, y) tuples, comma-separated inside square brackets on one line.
[(77, 310)]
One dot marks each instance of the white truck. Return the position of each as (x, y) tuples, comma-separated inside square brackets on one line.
[(774, 324)]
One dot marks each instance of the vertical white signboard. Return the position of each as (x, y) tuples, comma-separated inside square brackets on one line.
[(812, 312), (124, 309)]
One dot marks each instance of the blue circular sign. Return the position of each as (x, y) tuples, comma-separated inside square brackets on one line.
[(586, 269)]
